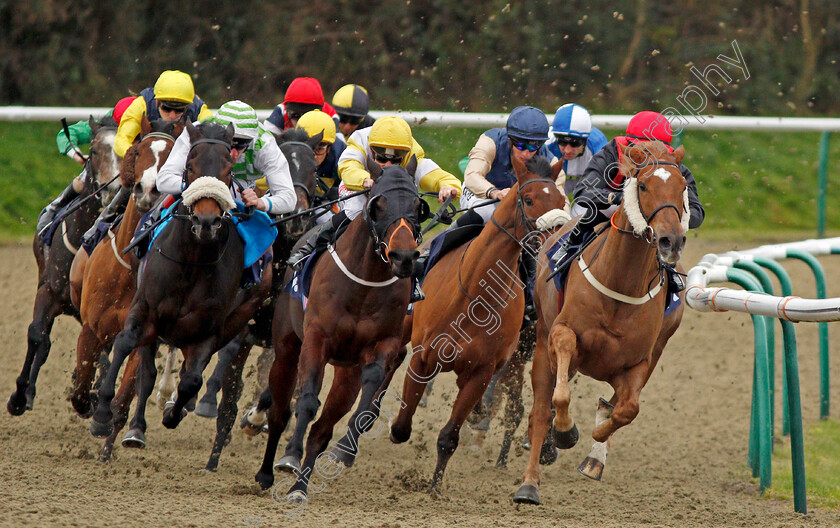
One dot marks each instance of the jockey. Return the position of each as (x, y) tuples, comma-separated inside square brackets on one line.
[(304, 94), (388, 142), (574, 141), (327, 152), (80, 134), (351, 103), (599, 192), (172, 96), (490, 174), (255, 155)]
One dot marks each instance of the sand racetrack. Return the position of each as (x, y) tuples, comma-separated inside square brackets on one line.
[(681, 463)]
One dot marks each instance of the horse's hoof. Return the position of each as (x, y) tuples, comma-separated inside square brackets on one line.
[(134, 438), (341, 456), (527, 494), (398, 436), (289, 464), (264, 480), (566, 439), (206, 410), (296, 496), (525, 444), (101, 430), (592, 468), (15, 408), (249, 428), (170, 419)]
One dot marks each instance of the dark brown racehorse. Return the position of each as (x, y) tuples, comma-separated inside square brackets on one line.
[(473, 327), (354, 319), (611, 325), (53, 296), (189, 294), (110, 277)]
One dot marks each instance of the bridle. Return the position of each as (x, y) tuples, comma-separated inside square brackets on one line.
[(530, 223), (646, 232)]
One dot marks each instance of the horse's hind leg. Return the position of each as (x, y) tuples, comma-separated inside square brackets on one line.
[(231, 391), (593, 465), (195, 359), (122, 404), (511, 384), (539, 420), (166, 386), (470, 391), (88, 350), (145, 384), (38, 348), (207, 406)]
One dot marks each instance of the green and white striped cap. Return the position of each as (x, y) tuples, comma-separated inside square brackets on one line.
[(242, 116)]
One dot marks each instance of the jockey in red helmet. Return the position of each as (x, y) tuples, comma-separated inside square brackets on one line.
[(302, 95)]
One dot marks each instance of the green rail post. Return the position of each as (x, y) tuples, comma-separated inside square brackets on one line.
[(766, 287), (819, 277), (761, 443), (822, 183), (787, 291), (797, 444)]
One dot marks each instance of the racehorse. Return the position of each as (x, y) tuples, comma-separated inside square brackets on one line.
[(297, 147), (473, 328), (53, 296), (354, 319), (189, 292), (110, 277), (611, 326)]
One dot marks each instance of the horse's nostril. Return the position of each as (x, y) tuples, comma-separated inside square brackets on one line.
[(416, 255)]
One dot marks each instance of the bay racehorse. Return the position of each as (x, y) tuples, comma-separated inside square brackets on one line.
[(471, 325), (110, 277), (611, 326), (53, 296), (354, 320), (189, 293)]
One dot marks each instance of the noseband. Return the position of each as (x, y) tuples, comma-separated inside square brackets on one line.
[(530, 223), (647, 232)]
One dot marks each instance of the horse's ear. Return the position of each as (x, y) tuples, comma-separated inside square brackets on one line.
[(411, 166), (679, 153), (315, 140), (145, 126), (556, 169), (194, 133), (518, 168), (229, 133), (94, 125)]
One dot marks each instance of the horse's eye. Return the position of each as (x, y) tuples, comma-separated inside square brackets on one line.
[(529, 202), (642, 187)]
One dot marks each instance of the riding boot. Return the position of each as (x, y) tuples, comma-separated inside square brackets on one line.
[(571, 247), (108, 215), (48, 214), (417, 276), (322, 237)]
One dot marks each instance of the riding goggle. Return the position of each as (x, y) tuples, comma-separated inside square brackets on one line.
[(349, 120), (322, 147), (166, 108), (526, 145), (240, 144), (572, 141), (381, 155)]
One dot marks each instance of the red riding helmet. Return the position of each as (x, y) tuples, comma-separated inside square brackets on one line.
[(650, 126), (121, 107), (305, 90)]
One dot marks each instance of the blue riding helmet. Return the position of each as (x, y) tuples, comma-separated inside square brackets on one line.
[(527, 122), (572, 120)]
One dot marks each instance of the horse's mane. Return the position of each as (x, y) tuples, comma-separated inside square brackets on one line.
[(292, 134), (540, 166)]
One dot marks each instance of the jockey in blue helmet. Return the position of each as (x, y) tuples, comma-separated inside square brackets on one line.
[(574, 140)]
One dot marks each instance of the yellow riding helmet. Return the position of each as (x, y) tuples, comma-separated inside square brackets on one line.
[(314, 122), (174, 85), (391, 132)]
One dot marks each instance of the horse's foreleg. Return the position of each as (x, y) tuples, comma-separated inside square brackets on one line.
[(166, 385), (195, 359), (47, 308), (207, 405), (281, 384), (562, 343), (121, 404), (88, 350), (145, 384), (470, 391), (539, 420), (126, 341), (231, 390), (417, 375)]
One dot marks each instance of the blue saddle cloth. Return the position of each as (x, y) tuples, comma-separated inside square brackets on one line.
[(256, 232), (49, 233), (671, 301), (447, 241), (301, 281)]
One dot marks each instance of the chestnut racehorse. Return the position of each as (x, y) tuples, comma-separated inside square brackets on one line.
[(471, 325), (53, 296), (611, 326), (354, 319), (110, 277)]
